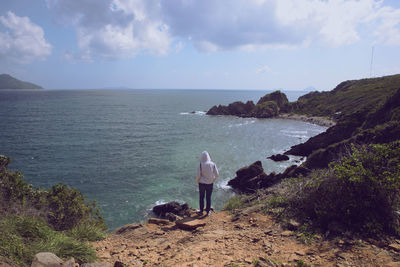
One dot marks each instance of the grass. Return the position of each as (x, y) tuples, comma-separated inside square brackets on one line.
[(21, 237), (235, 203), (88, 231)]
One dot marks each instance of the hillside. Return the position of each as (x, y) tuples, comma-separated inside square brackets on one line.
[(9, 82), (348, 97)]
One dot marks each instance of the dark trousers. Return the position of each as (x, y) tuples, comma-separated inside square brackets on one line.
[(205, 189)]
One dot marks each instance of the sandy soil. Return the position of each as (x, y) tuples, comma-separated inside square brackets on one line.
[(249, 239)]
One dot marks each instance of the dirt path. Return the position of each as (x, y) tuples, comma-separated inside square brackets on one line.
[(245, 240)]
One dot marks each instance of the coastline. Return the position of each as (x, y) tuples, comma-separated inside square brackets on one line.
[(321, 121)]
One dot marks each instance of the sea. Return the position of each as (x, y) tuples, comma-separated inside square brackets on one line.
[(132, 149)]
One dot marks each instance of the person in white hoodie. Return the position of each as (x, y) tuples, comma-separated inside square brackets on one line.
[(206, 175)]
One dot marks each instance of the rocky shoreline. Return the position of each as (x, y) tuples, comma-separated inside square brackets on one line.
[(321, 121)]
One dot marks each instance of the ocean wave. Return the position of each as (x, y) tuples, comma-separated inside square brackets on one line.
[(241, 124), (223, 184)]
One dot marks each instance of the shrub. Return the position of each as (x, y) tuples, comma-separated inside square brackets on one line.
[(359, 193), (67, 208), (62, 206), (30, 216)]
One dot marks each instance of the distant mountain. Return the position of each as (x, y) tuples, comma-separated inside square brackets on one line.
[(9, 82)]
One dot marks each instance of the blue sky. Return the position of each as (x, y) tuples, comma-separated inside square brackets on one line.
[(198, 44)]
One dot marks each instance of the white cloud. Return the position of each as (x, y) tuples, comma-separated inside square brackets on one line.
[(114, 28), (21, 40), (263, 69), (125, 28), (388, 31)]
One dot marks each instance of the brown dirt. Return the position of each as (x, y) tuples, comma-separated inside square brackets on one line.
[(237, 240)]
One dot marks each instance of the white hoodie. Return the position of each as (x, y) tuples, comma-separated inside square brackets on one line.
[(207, 171)]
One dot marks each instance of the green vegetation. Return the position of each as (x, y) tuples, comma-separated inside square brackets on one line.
[(266, 109), (357, 193), (9, 82), (21, 237), (348, 97), (33, 220), (235, 203)]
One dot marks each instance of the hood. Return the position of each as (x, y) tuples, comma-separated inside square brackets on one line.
[(205, 157)]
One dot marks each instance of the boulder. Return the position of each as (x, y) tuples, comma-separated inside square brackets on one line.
[(46, 259), (278, 157), (158, 221), (127, 228), (253, 177), (173, 208), (190, 223)]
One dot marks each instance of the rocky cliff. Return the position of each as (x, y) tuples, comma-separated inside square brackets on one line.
[(366, 111)]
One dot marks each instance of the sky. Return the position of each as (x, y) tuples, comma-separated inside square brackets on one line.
[(198, 44)]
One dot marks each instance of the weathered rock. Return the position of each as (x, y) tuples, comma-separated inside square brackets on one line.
[(265, 262), (268, 106), (394, 246), (158, 221), (171, 217), (251, 178), (69, 263), (278, 157), (101, 264), (172, 207), (293, 225), (190, 223), (237, 109), (287, 233), (46, 259), (127, 228)]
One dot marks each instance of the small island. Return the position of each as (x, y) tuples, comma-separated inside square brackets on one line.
[(9, 82)]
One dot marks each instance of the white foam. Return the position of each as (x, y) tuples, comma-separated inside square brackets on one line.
[(297, 136), (241, 124), (193, 113), (223, 184), (160, 202), (293, 132)]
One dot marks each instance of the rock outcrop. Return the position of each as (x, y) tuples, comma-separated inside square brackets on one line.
[(278, 157), (172, 210), (250, 178), (237, 109), (268, 106)]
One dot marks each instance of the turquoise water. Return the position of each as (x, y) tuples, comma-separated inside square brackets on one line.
[(131, 149)]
